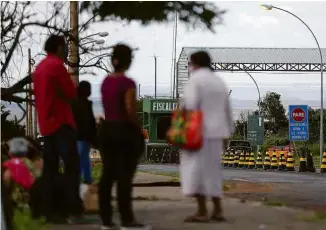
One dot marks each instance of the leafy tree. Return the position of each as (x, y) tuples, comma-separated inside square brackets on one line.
[(314, 129), (10, 128), (274, 113), (240, 126), (18, 21), (192, 12)]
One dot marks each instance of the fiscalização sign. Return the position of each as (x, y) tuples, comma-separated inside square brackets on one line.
[(164, 106)]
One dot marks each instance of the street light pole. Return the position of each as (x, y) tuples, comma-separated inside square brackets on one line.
[(321, 139), (155, 77), (259, 100), (259, 96)]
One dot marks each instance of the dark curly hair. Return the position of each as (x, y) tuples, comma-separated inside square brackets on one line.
[(121, 57)]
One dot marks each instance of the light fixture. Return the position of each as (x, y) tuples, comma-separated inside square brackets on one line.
[(103, 34), (99, 42), (267, 6)]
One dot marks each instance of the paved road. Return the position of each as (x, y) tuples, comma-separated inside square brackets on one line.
[(252, 175), (301, 189)]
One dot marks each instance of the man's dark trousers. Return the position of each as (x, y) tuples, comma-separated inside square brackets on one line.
[(61, 144)]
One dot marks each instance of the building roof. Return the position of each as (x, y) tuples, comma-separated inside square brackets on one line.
[(259, 55)]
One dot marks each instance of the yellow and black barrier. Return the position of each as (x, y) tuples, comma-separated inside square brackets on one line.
[(303, 162), (259, 161), (246, 160), (242, 160), (282, 162), (251, 162), (323, 164), (236, 160), (226, 159), (222, 158), (290, 162), (267, 162), (274, 163), (231, 160)]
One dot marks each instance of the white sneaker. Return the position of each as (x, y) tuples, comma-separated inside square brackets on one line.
[(136, 226)]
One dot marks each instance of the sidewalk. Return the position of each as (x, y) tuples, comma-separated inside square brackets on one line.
[(165, 208)]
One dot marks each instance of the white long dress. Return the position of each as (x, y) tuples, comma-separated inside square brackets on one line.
[(200, 171)]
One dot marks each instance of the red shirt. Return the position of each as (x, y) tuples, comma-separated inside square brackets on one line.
[(53, 88)]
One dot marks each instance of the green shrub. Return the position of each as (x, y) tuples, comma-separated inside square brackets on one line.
[(23, 221), (96, 172)]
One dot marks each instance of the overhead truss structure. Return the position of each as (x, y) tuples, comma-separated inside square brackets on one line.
[(294, 67), (253, 60)]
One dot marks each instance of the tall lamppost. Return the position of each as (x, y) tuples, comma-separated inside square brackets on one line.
[(259, 96), (321, 140)]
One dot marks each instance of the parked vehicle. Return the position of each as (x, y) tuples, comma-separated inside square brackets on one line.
[(239, 145)]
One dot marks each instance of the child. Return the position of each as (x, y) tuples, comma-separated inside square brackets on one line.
[(22, 167), (86, 128)]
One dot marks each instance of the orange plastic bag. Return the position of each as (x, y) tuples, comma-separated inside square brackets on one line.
[(186, 130)]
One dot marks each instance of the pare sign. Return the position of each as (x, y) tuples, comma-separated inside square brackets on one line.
[(298, 115)]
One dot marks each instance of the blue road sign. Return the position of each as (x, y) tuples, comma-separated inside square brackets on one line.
[(298, 123)]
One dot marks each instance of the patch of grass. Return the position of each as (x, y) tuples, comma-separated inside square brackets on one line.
[(147, 198), (226, 187), (97, 172), (175, 176), (316, 216), (23, 221), (274, 203)]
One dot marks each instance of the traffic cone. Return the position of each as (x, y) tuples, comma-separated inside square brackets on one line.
[(267, 162), (241, 160), (310, 163), (303, 163), (236, 160), (281, 162), (231, 160), (251, 163), (290, 161), (259, 161), (323, 164), (226, 159), (274, 163)]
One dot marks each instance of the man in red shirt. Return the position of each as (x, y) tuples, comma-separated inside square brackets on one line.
[(54, 91)]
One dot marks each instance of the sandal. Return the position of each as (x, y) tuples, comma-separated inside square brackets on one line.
[(196, 219), (218, 218)]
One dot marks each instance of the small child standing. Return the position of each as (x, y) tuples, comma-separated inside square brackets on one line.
[(22, 169), (86, 128)]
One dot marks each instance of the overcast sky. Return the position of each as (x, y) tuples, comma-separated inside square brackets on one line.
[(245, 25)]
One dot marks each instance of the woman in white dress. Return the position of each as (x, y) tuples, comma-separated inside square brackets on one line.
[(200, 170)]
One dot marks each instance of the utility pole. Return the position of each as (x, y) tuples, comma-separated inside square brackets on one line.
[(138, 90), (155, 83), (73, 68), (175, 53), (30, 108), (27, 103), (34, 108)]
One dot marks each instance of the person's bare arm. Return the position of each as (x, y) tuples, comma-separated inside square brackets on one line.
[(130, 103)]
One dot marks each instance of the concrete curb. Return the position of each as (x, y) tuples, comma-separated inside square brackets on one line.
[(158, 184)]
